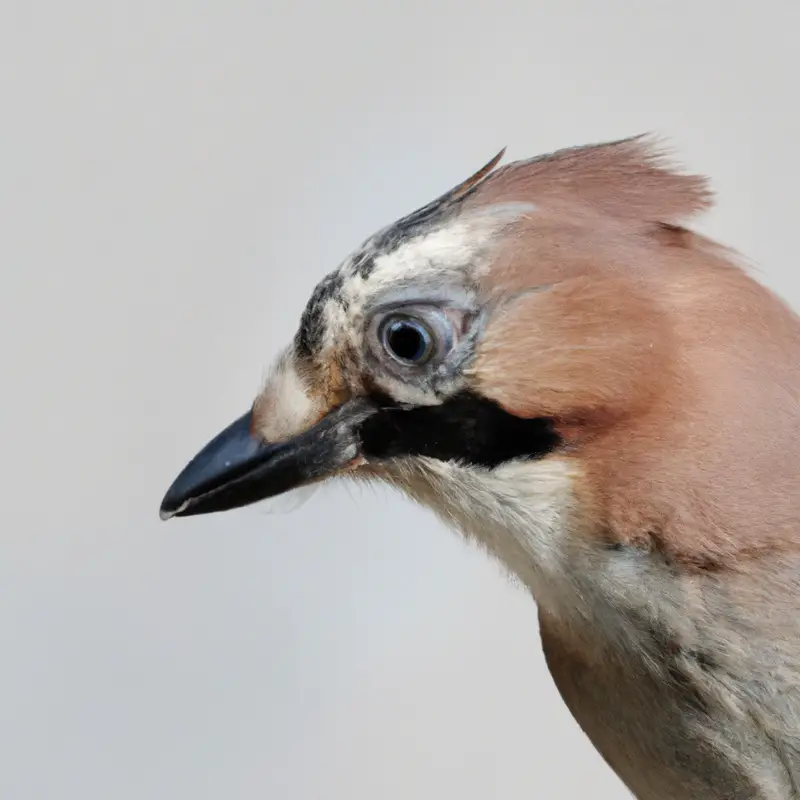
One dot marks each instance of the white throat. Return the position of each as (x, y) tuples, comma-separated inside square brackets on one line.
[(521, 512)]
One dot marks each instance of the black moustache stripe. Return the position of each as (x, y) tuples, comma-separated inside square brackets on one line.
[(466, 428)]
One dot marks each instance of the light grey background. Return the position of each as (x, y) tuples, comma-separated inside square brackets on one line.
[(175, 177)]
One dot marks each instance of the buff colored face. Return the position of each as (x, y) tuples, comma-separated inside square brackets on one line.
[(379, 371)]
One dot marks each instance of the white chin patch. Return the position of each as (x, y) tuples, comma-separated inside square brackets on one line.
[(521, 511)]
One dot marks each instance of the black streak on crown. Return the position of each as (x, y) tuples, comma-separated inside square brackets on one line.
[(362, 264), (386, 241), (309, 335)]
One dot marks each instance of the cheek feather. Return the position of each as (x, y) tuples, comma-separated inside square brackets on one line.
[(587, 348)]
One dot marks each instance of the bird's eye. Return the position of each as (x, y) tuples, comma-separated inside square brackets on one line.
[(412, 336), (408, 340)]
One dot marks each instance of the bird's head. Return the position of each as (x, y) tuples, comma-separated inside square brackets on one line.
[(475, 351)]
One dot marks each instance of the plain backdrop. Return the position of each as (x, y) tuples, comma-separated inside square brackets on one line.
[(175, 177)]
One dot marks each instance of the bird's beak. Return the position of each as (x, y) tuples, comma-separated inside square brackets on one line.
[(237, 468)]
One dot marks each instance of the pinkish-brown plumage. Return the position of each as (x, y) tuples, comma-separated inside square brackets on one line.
[(675, 371), (608, 403)]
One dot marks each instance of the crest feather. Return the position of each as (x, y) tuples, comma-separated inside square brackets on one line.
[(629, 179)]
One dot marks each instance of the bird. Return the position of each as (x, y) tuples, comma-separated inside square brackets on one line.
[(556, 362)]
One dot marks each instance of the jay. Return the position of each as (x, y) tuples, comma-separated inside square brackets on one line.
[(609, 404)]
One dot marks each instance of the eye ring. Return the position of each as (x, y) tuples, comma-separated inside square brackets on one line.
[(408, 340)]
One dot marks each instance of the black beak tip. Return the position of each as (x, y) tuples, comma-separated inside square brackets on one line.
[(238, 468), (226, 458), (171, 507), (178, 499)]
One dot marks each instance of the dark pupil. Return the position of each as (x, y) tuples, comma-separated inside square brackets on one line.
[(406, 341)]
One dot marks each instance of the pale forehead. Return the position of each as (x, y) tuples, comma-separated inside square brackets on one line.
[(455, 250)]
